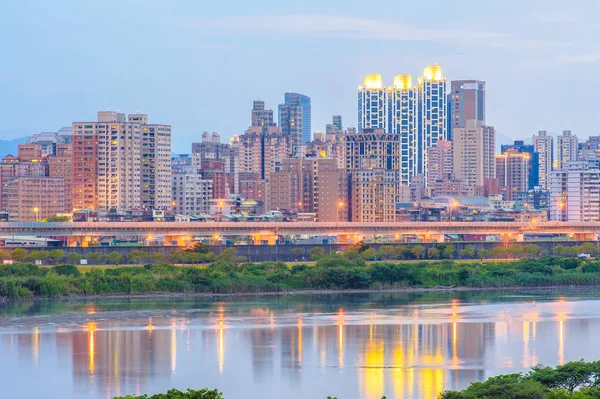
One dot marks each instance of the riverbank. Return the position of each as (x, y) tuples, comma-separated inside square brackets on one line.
[(332, 273)]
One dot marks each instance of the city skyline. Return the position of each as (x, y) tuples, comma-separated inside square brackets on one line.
[(46, 96)]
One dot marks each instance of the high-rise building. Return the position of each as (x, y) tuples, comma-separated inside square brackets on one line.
[(402, 120), (533, 166), (290, 120), (315, 185), (295, 119), (431, 110), (474, 153), (441, 162), (337, 122), (543, 144), (260, 115), (191, 192), (156, 164), (260, 148), (61, 166), (512, 173), (372, 104), (121, 163), (575, 193), (373, 195), (567, 146), (466, 102)]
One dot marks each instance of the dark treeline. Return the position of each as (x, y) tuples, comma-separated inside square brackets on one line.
[(228, 273)]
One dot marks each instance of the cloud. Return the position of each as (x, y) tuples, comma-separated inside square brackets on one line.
[(326, 26), (581, 58)]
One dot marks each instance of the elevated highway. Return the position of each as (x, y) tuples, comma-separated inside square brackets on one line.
[(177, 231)]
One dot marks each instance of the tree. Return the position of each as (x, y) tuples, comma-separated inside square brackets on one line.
[(137, 256), (498, 252), (56, 255), (401, 252), (35, 256), (515, 250), (433, 253), (558, 250), (511, 386), (368, 254), (532, 250), (468, 252), (57, 219), (94, 258), (156, 258), (114, 258), (197, 247), (228, 255), (316, 253), (418, 251), (448, 252), (484, 254), (74, 258), (18, 254), (297, 251)]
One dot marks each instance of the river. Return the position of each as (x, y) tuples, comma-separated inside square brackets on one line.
[(403, 345)]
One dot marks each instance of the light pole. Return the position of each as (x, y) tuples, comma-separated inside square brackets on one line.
[(36, 210)]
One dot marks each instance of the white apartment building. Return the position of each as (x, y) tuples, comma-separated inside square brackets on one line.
[(543, 144), (575, 193), (191, 193), (566, 148)]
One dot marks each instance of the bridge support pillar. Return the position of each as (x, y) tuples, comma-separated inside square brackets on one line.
[(585, 237), (428, 238)]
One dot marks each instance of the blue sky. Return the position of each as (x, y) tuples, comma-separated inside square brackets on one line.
[(198, 65)]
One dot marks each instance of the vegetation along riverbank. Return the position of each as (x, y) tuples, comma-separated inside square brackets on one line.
[(575, 380), (228, 273)]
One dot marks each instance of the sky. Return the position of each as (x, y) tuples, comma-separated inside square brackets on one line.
[(198, 64)]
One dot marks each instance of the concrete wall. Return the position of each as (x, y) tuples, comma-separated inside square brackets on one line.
[(283, 253)]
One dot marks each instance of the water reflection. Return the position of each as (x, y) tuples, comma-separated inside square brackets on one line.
[(404, 351)]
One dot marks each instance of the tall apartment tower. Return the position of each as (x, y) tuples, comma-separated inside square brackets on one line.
[(474, 153), (372, 104), (441, 162), (402, 120), (533, 164), (116, 166), (310, 185), (512, 173), (543, 144), (431, 110), (291, 122), (260, 115), (466, 101), (567, 146)]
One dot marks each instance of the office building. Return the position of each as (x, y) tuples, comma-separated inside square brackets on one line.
[(567, 146), (575, 193), (441, 163), (260, 115), (402, 120), (533, 165), (49, 140), (295, 120), (543, 144), (466, 101), (290, 120), (474, 153), (431, 108), (337, 122), (372, 104), (512, 173)]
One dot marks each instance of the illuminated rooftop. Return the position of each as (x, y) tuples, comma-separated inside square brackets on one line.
[(403, 81), (373, 81), (433, 73)]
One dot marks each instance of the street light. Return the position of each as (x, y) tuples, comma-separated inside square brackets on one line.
[(36, 210)]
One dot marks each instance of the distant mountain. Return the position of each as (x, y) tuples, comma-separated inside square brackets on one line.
[(11, 146)]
